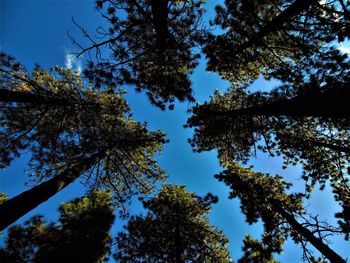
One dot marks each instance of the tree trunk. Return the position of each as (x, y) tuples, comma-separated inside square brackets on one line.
[(329, 104), (325, 250), (160, 21), (179, 251), (295, 225), (27, 97), (16, 207)]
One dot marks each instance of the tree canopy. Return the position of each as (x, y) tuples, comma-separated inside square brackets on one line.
[(277, 39), (175, 229), (91, 134), (264, 196), (304, 119), (150, 45), (80, 126), (256, 251), (278, 125), (81, 235)]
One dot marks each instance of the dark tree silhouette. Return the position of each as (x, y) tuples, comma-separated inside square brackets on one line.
[(284, 123), (263, 196), (306, 119), (176, 229), (274, 38), (99, 141), (82, 234), (150, 45), (326, 102), (255, 251), (73, 131), (38, 109)]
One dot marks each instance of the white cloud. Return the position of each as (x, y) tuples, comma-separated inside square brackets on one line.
[(72, 62), (344, 49), (79, 68), (69, 60)]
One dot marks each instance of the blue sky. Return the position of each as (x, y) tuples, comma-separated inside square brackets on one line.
[(36, 32)]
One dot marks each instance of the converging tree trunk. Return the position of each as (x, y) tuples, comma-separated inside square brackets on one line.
[(329, 104), (34, 99), (160, 21), (308, 235), (263, 196), (16, 207), (179, 250), (277, 207)]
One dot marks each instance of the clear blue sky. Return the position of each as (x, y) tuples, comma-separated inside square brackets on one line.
[(36, 32)]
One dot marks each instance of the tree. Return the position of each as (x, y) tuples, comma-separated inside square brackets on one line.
[(73, 131), (82, 234), (274, 123), (306, 119), (281, 118), (263, 196), (150, 46), (276, 39), (37, 110), (176, 229), (99, 141), (255, 251)]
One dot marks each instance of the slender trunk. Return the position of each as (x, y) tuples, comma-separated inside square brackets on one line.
[(276, 23), (330, 104), (330, 254), (26, 97), (179, 251), (160, 21), (295, 225), (16, 207)]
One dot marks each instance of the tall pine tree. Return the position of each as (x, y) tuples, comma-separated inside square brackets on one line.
[(306, 119), (91, 134), (81, 235), (264, 196), (175, 229), (150, 44), (277, 39)]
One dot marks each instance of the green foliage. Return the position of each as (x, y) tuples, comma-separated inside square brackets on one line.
[(276, 39), (342, 194), (3, 197), (260, 120), (82, 234), (176, 229), (256, 252), (264, 196), (257, 193), (48, 126), (72, 123), (265, 121), (150, 46), (306, 119)]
